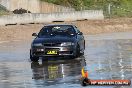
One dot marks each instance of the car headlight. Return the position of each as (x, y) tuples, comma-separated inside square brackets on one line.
[(37, 44), (67, 43)]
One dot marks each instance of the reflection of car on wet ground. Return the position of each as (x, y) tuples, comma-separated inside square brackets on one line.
[(58, 71), (57, 40)]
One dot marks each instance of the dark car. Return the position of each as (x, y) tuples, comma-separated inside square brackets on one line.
[(57, 40)]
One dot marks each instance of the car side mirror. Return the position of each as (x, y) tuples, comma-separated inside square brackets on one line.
[(80, 33), (34, 34)]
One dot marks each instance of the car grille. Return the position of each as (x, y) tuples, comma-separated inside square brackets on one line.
[(51, 44)]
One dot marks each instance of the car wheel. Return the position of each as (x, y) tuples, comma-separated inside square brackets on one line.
[(33, 58), (77, 51), (81, 54), (34, 65)]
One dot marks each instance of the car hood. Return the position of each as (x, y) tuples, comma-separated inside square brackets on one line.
[(56, 39)]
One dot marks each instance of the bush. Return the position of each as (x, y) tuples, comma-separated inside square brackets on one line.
[(123, 10)]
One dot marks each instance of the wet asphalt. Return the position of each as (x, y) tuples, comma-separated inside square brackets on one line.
[(105, 58)]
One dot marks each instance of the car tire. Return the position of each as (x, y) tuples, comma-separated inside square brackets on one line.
[(34, 65), (77, 54), (81, 54), (33, 58)]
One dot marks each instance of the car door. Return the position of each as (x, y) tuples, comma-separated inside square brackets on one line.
[(80, 38)]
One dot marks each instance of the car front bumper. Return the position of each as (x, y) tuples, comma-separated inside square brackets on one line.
[(61, 51)]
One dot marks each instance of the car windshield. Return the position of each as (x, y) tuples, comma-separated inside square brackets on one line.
[(57, 30)]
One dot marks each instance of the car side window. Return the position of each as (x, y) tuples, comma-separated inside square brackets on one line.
[(77, 30), (44, 31)]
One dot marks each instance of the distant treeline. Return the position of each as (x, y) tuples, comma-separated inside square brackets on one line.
[(3, 10), (118, 7)]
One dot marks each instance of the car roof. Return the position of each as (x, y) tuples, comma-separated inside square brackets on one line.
[(60, 25)]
